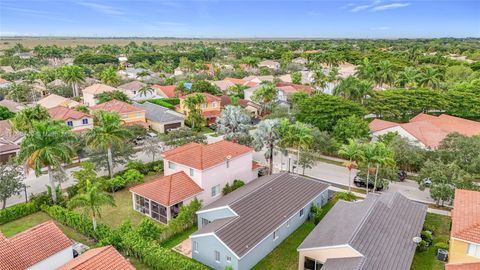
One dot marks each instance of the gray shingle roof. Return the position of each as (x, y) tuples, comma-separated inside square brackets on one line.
[(343, 263), (381, 228), (132, 86), (262, 207), (158, 113)]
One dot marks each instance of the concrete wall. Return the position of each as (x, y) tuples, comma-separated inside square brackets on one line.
[(133, 116), (458, 252), (89, 99), (54, 261), (207, 245), (321, 255)]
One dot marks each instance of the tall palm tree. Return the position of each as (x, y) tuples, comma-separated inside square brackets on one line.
[(47, 144), (319, 79), (192, 104), (298, 136), (353, 152), (91, 201), (385, 74), (366, 71), (109, 76), (106, 134), (73, 75), (23, 120), (267, 135), (383, 157), (369, 156), (144, 91), (431, 77), (408, 78), (265, 95)]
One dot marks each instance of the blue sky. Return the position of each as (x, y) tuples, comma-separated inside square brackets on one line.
[(247, 18)]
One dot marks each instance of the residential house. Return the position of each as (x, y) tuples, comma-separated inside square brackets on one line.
[(346, 69), (53, 100), (259, 79), (11, 105), (165, 91), (4, 83), (41, 247), (9, 141), (285, 90), (100, 258), (245, 225), (426, 131), (76, 120), (300, 61), (95, 89), (129, 114), (249, 106), (269, 64), (131, 88), (135, 73), (211, 166), (210, 108), (160, 118), (464, 253), (162, 198), (376, 233), (223, 85), (248, 93), (241, 82)]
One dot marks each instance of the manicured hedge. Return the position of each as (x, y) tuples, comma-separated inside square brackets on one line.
[(17, 211), (162, 103)]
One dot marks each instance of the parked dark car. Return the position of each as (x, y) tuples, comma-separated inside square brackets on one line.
[(360, 182), (402, 175)]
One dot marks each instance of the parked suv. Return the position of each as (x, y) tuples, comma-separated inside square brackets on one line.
[(361, 182)]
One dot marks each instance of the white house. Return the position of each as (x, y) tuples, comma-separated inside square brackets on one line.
[(76, 120)]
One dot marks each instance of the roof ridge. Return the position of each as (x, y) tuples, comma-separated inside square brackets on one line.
[(169, 191), (360, 225), (36, 227)]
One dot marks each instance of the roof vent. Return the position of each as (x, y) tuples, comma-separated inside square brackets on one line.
[(417, 240), (228, 157)]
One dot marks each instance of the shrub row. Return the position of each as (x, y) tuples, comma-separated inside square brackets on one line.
[(125, 239), (236, 184), (17, 211)]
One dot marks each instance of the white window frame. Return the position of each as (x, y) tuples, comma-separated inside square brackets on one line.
[(216, 190), (195, 246), (302, 212), (229, 259), (473, 250), (192, 172), (275, 235), (217, 256), (214, 104), (171, 165)]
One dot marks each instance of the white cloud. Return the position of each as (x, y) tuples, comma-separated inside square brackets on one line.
[(107, 10), (359, 8), (390, 6)]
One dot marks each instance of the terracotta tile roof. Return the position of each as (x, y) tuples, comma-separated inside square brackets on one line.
[(378, 124), (102, 258), (208, 97), (241, 82), (3, 81), (167, 90), (427, 133), (201, 156), (168, 190), (463, 266), (297, 87), (208, 114), (466, 215), (98, 88), (32, 246), (7, 133), (10, 105), (53, 100), (116, 106), (64, 113)]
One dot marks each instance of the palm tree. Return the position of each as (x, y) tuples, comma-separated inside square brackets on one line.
[(265, 95), (431, 77), (91, 201), (383, 157), (23, 120), (298, 136), (385, 73), (366, 71), (353, 89), (144, 91), (192, 104), (73, 75), (320, 79), (109, 76), (408, 78), (369, 156), (106, 134), (47, 144), (353, 152), (267, 135)]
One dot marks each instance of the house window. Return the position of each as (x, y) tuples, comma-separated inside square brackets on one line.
[(85, 121), (125, 115), (138, 114), (195, 246), (288, 223), (473, 250), (205, 222), (275, 235), (142, 204), (204, 105), (228, 163), (215, 190), (214, 104), (70, 123), (229, 259), (192, 172), (217, 256), (171, 165), (134, 92), (301, 213)]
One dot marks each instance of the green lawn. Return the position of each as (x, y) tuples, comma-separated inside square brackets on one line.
[(285, 255), (427, 260), (177, 239)]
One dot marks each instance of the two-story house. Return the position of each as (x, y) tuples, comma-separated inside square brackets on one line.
[(129, 114), (76, 120), (464, 250), (241, 228), (210, 108)]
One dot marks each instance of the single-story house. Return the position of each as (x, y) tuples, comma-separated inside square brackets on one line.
[(223, 85), (162, 198), (129, 114), (11, 105), (376, 233), (241, 228), (131, 88), (426, 131), (53, 100), (102, 258), (269, 64), (241, 82), (160, 118), (259, 79), (95, 89), (76, 120), (165, 91), (464, 253), (44, 246), (9, 141)]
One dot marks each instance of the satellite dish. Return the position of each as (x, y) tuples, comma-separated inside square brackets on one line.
[(417, 240)]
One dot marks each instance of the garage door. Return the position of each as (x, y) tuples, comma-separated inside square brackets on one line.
[(169, 127)]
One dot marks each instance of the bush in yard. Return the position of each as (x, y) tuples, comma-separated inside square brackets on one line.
[(422, 246), (17, 211), (441, 245), (430, 227), (133, 176), (186, 217), (317, 212), (427, 237), (150, 229), (236, 184), (346, 196), (121, 181)]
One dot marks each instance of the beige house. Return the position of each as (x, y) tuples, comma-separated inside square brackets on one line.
[(53, 100), (95, 89)]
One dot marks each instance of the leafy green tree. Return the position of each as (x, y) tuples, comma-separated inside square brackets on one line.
[(11, 180), (237, 91), (48, 144), (323, 142), (183, 136), (298, 136), (296, 77), (106, 134), (408, 78), (267, 135), (234, 122), (194, 113), (5, 113), (204, 87), (323, 111), (462, 150), (109, 76), (144, 91), (366, 70), (431, 77), (353, 89), (352, 127), (353, 152), (107, 96), (407, 156), (287, 58), (91, 201), (385, 73), (307, 160), (265, 95), (86, 173), (383, 158), (24, 120), (73, 75)]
